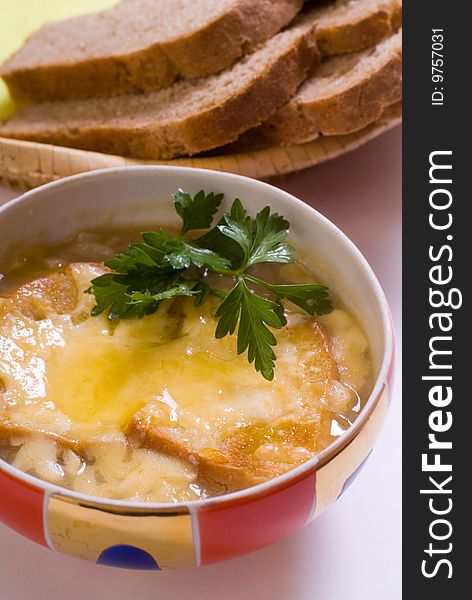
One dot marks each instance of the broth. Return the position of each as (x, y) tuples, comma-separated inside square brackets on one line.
[(157, 409)]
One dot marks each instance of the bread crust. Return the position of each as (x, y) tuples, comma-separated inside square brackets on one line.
[(392, 112), (223, 470), (355, 106), (364, 24), (199, 131), (233, 34)]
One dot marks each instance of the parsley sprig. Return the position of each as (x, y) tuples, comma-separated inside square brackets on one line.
[(163, 267)]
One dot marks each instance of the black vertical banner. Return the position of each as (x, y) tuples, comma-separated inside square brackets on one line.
[(437, 400)]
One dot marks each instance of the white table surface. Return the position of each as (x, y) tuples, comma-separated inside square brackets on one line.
[(353, 551)]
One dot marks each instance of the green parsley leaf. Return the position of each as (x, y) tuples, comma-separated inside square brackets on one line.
[(152, 280), (255, 315), (144, 300), (163, 267), (107, 292), (180, 254), (239, 232), (260, 240), (269, 234), (113, 291), (313, 298), (225, 246), (137, 254), (199, 257), (203, 293), (112, 296), (197, 212)]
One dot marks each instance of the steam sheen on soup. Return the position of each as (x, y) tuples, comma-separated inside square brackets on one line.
[(157, 409)]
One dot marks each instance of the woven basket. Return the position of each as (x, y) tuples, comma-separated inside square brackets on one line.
[(28, 164)]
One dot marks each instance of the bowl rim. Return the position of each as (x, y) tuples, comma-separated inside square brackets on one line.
[(272, 485)]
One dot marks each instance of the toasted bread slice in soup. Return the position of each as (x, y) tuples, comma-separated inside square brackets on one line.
[(141, 45), (31, 317), (186, 118), (236, 450), (163, 389)]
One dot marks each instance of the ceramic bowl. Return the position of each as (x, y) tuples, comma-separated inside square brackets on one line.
[(159, 536)]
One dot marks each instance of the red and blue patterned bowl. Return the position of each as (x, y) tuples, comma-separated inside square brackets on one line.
[(160, 536)]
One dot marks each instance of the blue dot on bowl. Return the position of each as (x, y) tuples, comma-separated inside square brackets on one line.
[(128, 557), (350, 479)]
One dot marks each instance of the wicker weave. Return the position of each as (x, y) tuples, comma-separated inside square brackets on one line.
[(28, 164)]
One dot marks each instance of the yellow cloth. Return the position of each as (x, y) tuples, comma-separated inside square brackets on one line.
[(20, 18)]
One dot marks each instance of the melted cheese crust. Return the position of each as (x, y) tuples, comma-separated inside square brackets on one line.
[(157, 409)]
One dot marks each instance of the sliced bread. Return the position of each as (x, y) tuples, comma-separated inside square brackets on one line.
[(345, 94), (352, 25), (141, 45), (392, 113), (186, 118)]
